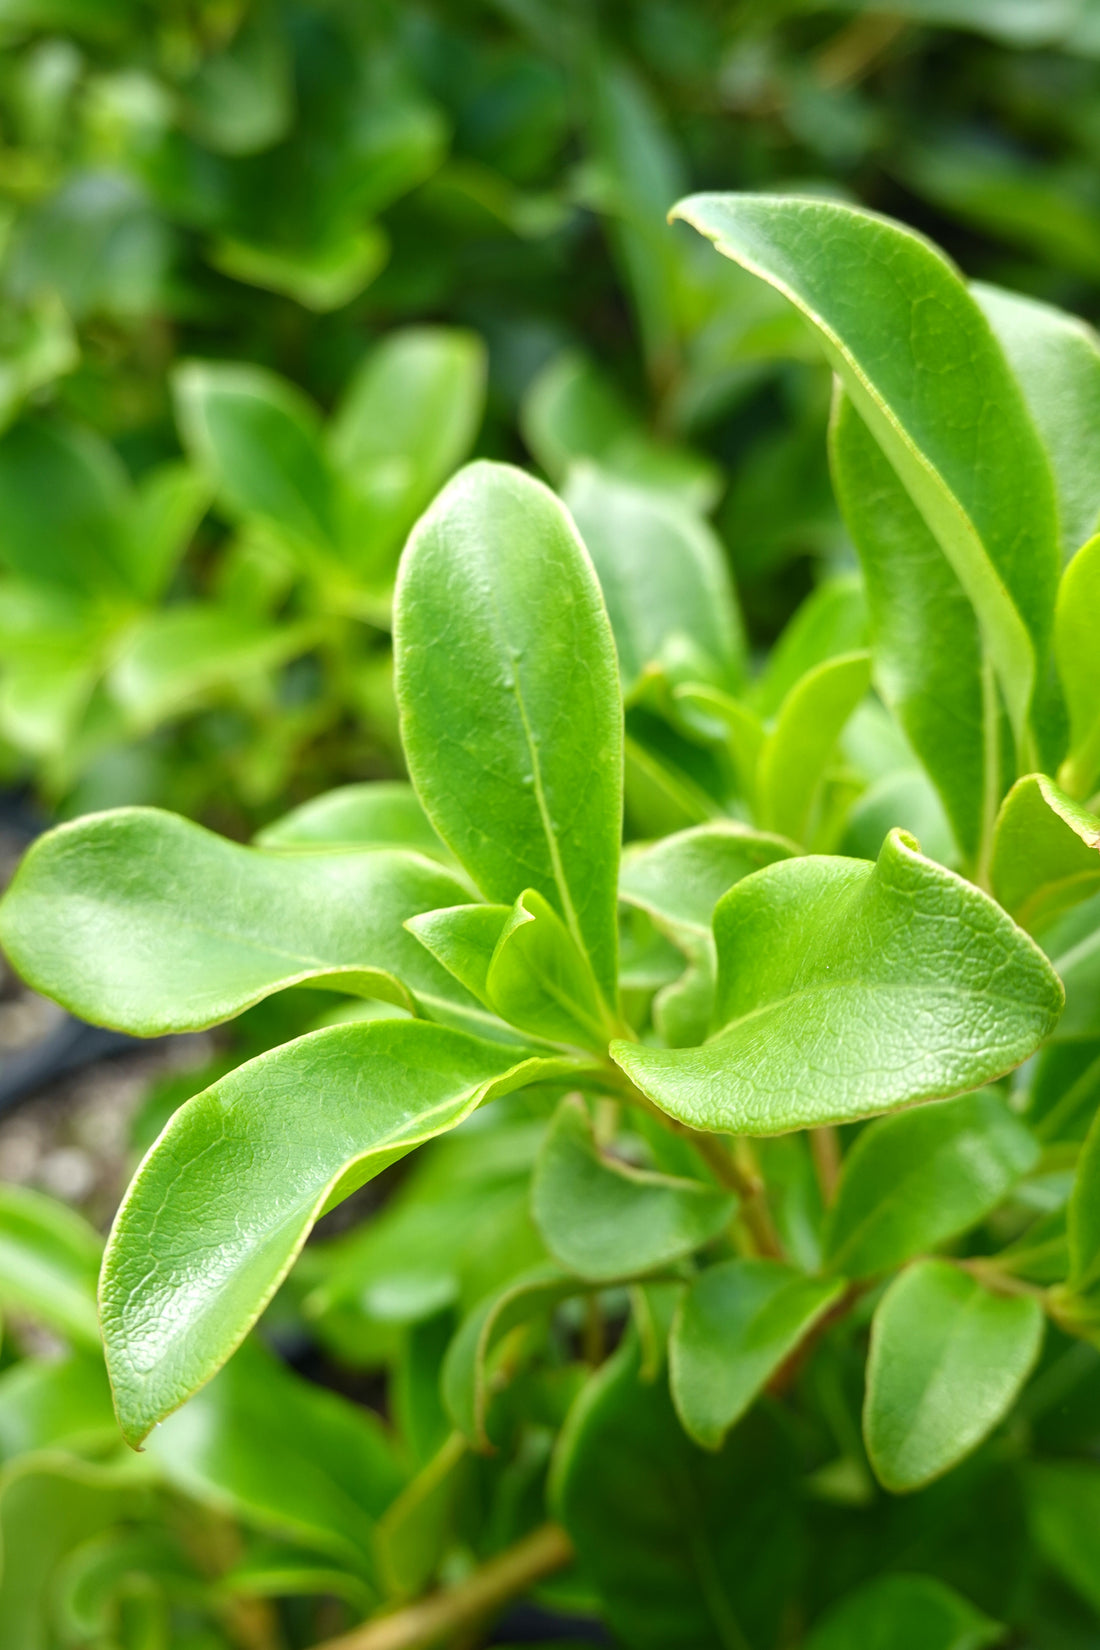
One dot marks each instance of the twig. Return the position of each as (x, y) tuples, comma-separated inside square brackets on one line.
[(447, 1612), (825, 1151)]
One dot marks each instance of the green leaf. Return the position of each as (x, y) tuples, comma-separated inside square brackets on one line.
[(1084, 1216), (322, 276), (922, 366), (831, 621), (382, 814), (1063, 1499), (63, 497), (662, 1524), (947, 1362), (49, 1262), (62, 1403), (928, 658), (904, 1612), (1056, 358), (916, 1180), (500, 703), (663, 573), (466, 1369), (258, 439), (540, 981), (463, 938), (846, 989), (797, 751), (680, 879), (1072, 942), (408, 417), (219, 1210), (167, 506), (281, 1454), (603, 1219), (1046, 853), (1079, 667), (736, 1325), (241, 100), (87, 916)]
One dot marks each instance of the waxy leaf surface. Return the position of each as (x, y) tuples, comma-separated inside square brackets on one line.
[(797, 751), (510, 706), (1078, 660), (220, 1208), (947, 1361), (383, 814), (540, 981), (1046, 853), (845, 989)]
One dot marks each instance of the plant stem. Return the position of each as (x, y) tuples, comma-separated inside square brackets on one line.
[(825, 1151), (446, 1613)]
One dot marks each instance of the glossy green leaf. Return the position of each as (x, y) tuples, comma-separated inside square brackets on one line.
[(676, 1563), (49, 1262), (463, 938), (87, 914), (1072, 942), (1046, 853), (922, 366), (382, 814), (846, 989), (1079, 667), (219, 1210), (1063, 1499), (680, 879), (832, 620), (947, 1361), (284, 1455), (603, 1219), (258, 439), (1056, 359), (904, 1612), (1084, 1217), (736, 1325), (663, 573), (797, 751), (466, 1369), (499, 702), (928, 657), (916, 1180), (540, 981)]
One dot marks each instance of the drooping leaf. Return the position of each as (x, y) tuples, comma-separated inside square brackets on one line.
[(916, 1180), (846, 989), (925, 372), (663, 574), (540, 981), (49, 1261), (466, 1373), (382, 814), (927, 648), (737, 1323), (947, 1361), (141, 920), (796, 752), (904, 1612), (602, 1219), (508, 688), (1046, 853), (219, 1210), (1079, 667)]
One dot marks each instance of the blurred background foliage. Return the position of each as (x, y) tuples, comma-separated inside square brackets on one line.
[(427, 230)]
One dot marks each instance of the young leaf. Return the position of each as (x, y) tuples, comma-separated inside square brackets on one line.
[(167, 506), (219, 1210), (922, 366), (90, 911), (463, 938), (602, 1219), (1046, 853), (663, 573), (928, 657), (797, 751), (737, 1323), (904, 1612), (382, 814), (947, 1362), (680, 879), (258, 439), (845, 989), (540, 981), (1056, 358), (465, 1376), (1079, 667), (831, 621), (916, 1180), (49, 1261), (509, 693)]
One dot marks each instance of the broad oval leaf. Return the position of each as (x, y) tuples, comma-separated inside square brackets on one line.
[(947, 1361), (1079, 667), (509, 694), (603, 1219), (926, 373), (904, 1612), (139, 919), (381, 814), (736, 1325), (663, 573), (218, 1211), (846, 989), (1046, 853), (913, 1181)]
